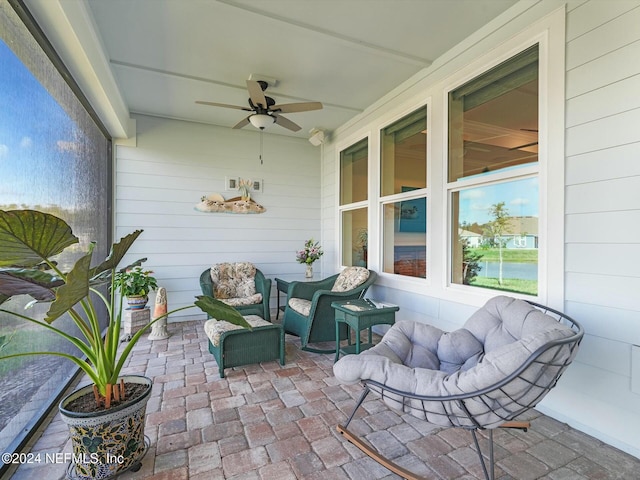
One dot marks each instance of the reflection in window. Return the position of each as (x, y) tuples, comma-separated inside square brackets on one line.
[(495, 236), (353, 173), (53, 158), (404, 231), (493, 119), (354, 237), (403, 146)]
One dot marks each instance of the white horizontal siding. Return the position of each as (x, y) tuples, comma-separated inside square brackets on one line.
[(619, 194), (620, 161), (602, 209), (159, 182), (601, 36), (604, 70)]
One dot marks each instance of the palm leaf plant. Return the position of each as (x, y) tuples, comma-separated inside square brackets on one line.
[(29, 242)]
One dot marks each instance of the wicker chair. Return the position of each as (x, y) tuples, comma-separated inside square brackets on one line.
[(505, 359), (309, 314), (241, 285)]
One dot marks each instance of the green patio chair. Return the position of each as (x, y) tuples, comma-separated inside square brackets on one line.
[(240, 285), (309, 314)]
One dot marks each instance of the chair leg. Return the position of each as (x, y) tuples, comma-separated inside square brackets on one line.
[(489, 473), (357, 442)]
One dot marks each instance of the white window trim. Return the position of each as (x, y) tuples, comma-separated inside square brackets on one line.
[(549, 34)]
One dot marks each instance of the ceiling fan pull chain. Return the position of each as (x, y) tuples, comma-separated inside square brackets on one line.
[(261, 133)]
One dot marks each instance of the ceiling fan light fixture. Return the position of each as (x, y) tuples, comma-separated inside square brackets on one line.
[(261, 120)]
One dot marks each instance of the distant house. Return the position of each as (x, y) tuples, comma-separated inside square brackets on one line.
[(474, 240), (522, 232)]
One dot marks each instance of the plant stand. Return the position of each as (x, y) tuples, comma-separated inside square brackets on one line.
[(134, 319)]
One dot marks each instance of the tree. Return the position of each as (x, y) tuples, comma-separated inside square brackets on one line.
[(496, 229), (470, 262)]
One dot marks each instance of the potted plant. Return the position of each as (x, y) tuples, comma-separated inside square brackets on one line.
[(104, 445), (135, 284)]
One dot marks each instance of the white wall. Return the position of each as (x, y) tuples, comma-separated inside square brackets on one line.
[(159, 181), (601, 189)]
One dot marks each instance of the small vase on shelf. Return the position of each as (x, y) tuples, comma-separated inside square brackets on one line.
[(309, 272)]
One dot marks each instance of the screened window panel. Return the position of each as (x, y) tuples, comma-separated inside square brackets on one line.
[(54, 158)]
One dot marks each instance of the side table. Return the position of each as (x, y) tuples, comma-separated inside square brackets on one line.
[(358, 315)]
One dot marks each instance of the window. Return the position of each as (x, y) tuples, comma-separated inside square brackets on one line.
[(54, 157), (493, 177), (354, 166), (354, 237), (403, 192)]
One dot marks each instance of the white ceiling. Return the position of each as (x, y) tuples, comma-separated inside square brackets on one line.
[(166, 54)]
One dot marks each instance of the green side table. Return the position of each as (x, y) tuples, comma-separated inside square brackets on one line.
[(358, 315)]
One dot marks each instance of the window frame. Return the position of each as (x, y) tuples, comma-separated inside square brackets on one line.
[(383, 200), (549, 168), (431, 89), (366, 204)]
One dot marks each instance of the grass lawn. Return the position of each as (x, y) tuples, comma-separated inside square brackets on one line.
[(508, 255), (529, 287)]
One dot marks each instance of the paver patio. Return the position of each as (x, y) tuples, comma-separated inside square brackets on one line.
[(269, 421)]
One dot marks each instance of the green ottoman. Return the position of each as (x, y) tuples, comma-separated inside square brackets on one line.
[(234, 346)]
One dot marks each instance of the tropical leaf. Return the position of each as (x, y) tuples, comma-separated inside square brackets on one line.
[(37, 284), (27, 237), (118, 251), (75, 289), (221, 311)]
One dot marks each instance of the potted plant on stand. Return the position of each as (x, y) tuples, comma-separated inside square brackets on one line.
[(135, 284), (104, 444)]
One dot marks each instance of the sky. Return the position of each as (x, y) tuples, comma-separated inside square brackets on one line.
[(36, 136), (520, 198)]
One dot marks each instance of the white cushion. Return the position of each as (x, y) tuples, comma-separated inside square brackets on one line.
[(215, 328), (233, 280), (238, 301), (300, 305), (350, 278)]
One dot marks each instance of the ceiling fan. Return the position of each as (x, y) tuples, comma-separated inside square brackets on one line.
[(264, 109), (530, 144)]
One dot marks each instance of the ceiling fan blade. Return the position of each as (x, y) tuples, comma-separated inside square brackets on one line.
[(524, 146), (297, 107), (214, 104), (242, 123), (256, 94), (286, 123)]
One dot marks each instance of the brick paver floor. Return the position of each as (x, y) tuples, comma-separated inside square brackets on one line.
[(268, 421)]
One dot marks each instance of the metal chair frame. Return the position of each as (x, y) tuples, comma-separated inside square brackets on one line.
[(514, 406)]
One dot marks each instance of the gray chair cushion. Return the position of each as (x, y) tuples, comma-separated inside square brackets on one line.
[(423, 360)]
